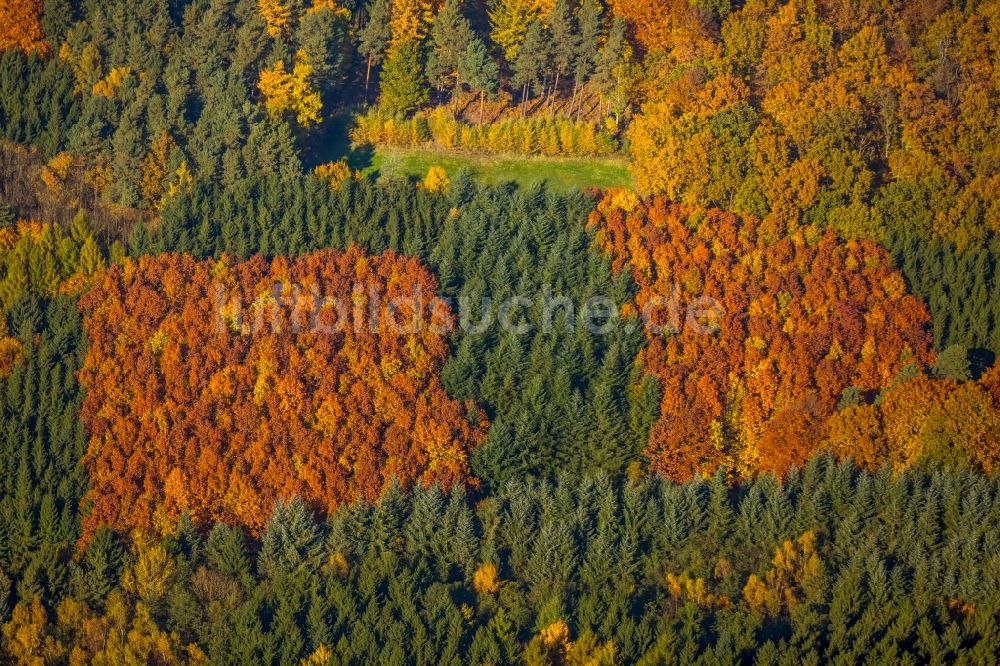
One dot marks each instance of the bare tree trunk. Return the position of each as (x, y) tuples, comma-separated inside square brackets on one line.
[(524, 98), (482, 95), (368, 75)]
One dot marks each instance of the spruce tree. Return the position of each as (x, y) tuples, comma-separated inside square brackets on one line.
[(403, 88), (479, 71), (291, 541), (565, 41), (287, 624), (588, 44), (531, 61), (6, 595), (610, 58), (323, 36), (643, 407), (374, 36), (450, 38)]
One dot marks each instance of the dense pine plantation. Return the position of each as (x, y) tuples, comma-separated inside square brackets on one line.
[(41, 477), (959, 289), (830, 566)]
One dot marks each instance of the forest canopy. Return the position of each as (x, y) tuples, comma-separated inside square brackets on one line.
[(211, 391), (287, 377)]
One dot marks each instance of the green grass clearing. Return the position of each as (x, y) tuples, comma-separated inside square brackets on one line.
[(563, 173)]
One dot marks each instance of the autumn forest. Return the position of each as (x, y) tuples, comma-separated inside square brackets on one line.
[(291, 372)]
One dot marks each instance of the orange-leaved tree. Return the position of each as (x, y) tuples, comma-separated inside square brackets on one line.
[(216, 388), (924, 420), (755, 341), (21, 27)]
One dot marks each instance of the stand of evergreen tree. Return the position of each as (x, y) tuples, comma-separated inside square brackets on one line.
[(41, 475), (959, 288), (831, 566), (37, 103)]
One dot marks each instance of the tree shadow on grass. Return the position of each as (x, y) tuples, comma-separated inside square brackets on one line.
[(361, 158), (331, 142)]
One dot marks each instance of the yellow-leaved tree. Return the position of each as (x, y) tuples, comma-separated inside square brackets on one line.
[(291, 92), (553, 646), (795, 567), (334, 173), (436, 180), (411, 19), (155, 167), (110, 84), (509, 20), (149, 577), (277, 16), (25, 638)]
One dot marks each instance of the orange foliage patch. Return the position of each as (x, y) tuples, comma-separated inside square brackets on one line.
[(922, 419), (207, 394), (11, 353), (20, 26), (664, 24), (757, 340)]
